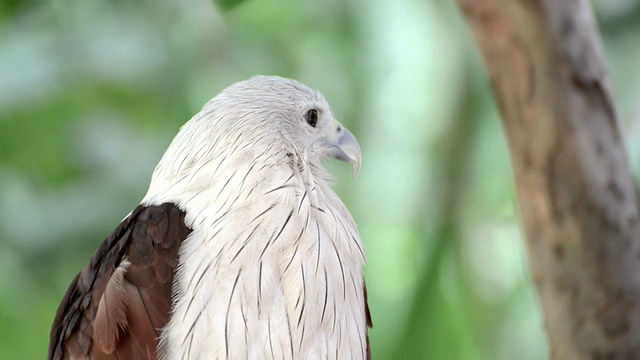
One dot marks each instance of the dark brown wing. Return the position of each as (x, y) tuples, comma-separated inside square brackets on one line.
[(118, 304), (369, 321)]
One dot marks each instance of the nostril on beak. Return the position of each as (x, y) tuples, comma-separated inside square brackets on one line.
[(339, 128)]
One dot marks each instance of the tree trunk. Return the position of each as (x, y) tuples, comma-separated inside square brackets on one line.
[(576, 194)]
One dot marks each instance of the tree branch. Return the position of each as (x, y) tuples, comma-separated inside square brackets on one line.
[(576, 193)]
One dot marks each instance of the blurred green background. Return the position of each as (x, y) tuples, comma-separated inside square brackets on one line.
[(92, 92)]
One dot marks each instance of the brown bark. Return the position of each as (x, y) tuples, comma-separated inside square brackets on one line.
[(576, 194)]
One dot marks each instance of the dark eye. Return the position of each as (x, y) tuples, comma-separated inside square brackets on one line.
[(312, 117)]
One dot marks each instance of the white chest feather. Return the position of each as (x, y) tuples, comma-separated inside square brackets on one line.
[(272, 269)]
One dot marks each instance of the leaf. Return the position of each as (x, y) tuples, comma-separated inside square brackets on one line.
[(226, 5)]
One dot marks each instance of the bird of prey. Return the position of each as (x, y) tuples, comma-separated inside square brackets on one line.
[(239, 250)]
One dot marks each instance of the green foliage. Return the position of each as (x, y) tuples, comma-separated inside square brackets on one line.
[(227, 4), (91, 93)]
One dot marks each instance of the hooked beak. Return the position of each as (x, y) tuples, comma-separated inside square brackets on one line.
[(346, 148)]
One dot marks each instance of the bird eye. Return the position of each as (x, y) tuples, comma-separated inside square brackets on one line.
[(312, 117)]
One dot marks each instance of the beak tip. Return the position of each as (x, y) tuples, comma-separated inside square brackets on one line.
[(356, 168)]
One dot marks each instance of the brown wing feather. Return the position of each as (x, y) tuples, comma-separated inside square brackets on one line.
[(369, 321), (118, 304)]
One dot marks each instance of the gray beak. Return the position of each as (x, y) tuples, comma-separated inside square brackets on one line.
[(346, 148)]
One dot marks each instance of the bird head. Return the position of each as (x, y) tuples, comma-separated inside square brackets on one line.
[(264, 116), (298, 115)]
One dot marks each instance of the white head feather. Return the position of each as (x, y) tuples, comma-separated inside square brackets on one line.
[(267, 113)]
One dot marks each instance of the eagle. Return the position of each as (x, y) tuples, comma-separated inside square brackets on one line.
[(240, 249)]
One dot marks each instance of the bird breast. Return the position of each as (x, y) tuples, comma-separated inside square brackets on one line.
[(272, 269)]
